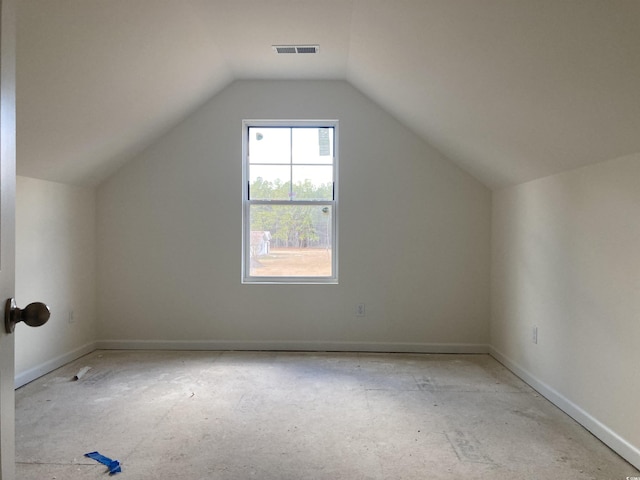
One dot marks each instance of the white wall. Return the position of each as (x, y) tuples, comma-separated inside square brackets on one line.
[(566, 258), (55, 264), (414, 237)]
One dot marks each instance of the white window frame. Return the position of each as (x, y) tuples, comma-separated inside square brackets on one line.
[(246, 203)]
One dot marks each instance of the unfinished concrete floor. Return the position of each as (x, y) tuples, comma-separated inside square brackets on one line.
[(235, 415)]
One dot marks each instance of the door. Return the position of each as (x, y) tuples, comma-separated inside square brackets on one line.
[(7, 232)]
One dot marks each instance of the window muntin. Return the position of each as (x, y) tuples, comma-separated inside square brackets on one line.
[(290, 202)]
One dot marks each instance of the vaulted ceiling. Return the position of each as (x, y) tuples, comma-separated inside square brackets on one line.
[(510, 90)]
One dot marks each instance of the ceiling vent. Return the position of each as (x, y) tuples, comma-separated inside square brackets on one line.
[(284, 49)]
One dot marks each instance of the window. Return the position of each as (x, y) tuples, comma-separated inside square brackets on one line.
[(290, 202)]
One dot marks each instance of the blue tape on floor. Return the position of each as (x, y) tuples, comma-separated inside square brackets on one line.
[(112, 465)]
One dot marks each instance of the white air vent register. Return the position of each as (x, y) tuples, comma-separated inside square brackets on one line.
[(286, 49)]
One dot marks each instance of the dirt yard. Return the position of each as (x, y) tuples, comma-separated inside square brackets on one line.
[(293, 262)]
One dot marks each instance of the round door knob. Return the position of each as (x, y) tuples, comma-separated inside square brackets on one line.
[(35, 315)]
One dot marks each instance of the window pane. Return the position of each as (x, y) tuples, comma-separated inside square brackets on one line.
[(312, 182), (290, 240), (269, 145), (312, 145), (269, 182)]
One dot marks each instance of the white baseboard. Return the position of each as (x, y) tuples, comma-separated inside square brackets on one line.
[(610, 438), (27, 376), (307, 346)]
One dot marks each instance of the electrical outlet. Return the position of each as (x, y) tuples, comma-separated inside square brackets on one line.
[(534, 334), (360, 312), (72, 318)]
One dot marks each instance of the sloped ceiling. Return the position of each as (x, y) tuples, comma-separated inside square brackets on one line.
[(510, 90)]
